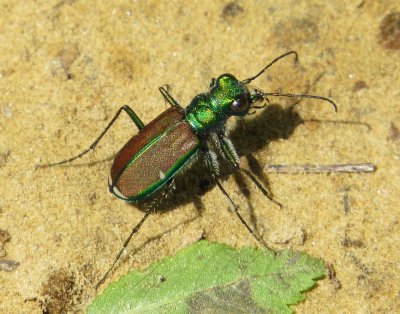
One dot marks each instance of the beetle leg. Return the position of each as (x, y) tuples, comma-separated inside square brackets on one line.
[(209, 160), (125, 108), (168, 98), (213, 82), (134, 230), (169, 189), (229, 152)]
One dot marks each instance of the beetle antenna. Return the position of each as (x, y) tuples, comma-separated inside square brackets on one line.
[(247, 81), (300, 96), (134, 230)]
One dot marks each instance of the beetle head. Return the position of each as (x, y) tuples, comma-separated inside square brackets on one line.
[(232, 95)]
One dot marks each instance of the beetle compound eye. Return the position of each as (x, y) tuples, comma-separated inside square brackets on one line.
[(240, 104)]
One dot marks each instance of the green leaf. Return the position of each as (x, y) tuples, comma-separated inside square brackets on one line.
[(214, 278)]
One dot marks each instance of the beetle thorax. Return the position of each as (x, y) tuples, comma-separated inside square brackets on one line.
[(204, 115), (227, 97)]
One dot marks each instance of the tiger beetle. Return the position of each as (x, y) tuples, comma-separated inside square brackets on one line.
[(163, 147)]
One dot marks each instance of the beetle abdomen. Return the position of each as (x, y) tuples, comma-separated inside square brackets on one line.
[(154, 163), (151, 130)]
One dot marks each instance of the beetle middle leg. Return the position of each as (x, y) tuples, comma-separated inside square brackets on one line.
[(131, 114), (214, 172), (229, 152)]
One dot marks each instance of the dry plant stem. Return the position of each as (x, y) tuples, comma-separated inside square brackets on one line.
[(345, 168)]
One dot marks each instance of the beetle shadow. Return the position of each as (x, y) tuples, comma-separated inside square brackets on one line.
[(249, 135)]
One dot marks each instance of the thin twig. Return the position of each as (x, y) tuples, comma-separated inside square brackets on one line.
[(345, 168)]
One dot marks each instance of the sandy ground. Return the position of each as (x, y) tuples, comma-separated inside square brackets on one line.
[(67, 66)]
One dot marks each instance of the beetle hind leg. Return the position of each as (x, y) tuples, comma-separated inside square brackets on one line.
[(128, 239), (168, 98), (131, 114)]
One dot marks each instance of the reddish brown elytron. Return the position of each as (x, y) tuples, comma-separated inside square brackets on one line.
[(153, 156)]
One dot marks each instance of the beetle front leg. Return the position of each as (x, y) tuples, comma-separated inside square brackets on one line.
[(131, 114)]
